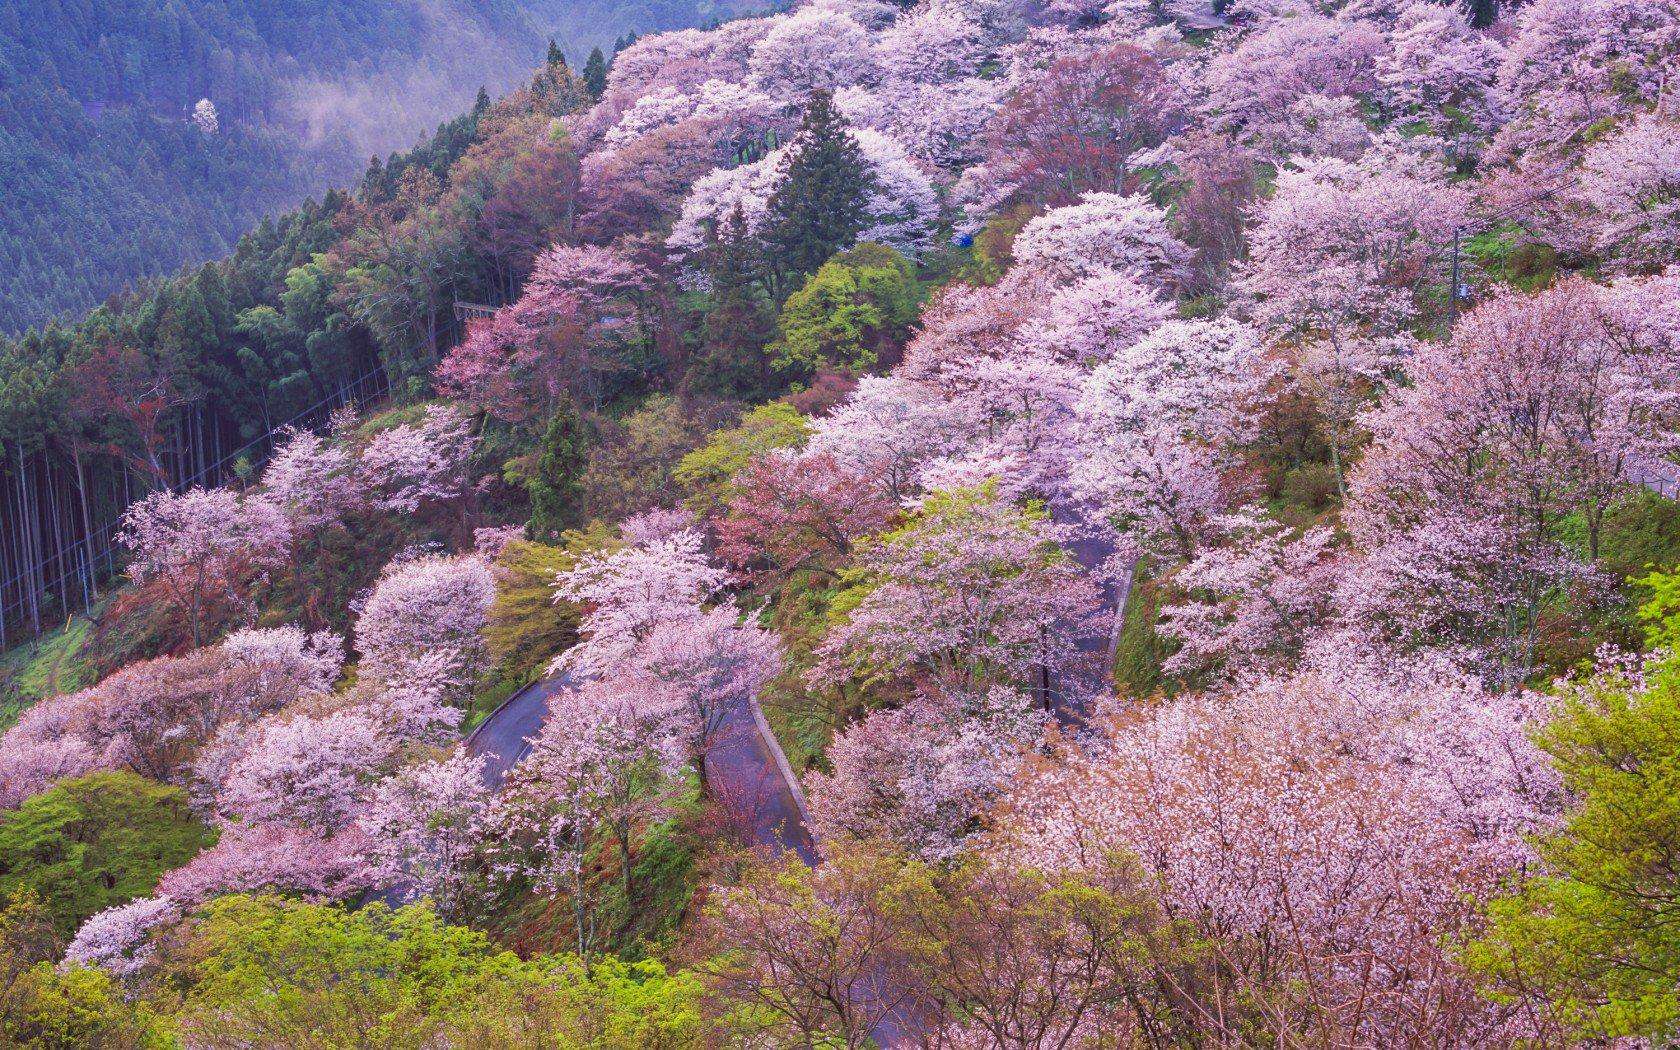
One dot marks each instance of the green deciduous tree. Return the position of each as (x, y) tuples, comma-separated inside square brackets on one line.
[(852, 314), (1592, 940), (96, 841)]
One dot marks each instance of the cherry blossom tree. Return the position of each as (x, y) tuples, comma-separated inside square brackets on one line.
[(196, 545), (1078, 126), (119, 939), (796, 513), (313, 482), (305, 772), (588, 774), (1253, 602), (812, 49), (255, 858), (424, 825), (1104, 231), (1631, 181), (1439, 70), (1160, 425), (887, 431), (970, 590), (924, 777), (427, 608), (1328, 830), (421, 464)]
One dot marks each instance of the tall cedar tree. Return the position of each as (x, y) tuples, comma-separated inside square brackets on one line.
[(819, 206), (739, 324), (595, 73), (556, 57), (557, 489)]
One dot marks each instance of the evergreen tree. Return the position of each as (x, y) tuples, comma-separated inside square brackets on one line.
[(739, 324), (1483, 13), (818, 207), (557, 489), (556, 57), (595, 73)]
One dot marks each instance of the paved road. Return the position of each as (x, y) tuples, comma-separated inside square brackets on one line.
[(505, 736)]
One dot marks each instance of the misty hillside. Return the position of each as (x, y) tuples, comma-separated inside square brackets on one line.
[(107, 179)]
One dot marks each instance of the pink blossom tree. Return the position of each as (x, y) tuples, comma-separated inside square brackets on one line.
[(1159, 428), (425, 464), (1104, 231), (305, 772), (429, 609), (1631, 182), (119, 939), (424, 825), (925, 777), (1328, 831), (196, 545), (253, 858), (970, 590), (799, 513), (313, 482), (1253, 602)]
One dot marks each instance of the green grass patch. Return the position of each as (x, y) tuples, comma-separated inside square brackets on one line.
[(57, 662)]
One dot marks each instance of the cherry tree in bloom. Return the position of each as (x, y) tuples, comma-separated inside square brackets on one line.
[(1437, 66), (1159, 426), (306, 772), (1573, 63), (1103, 232), (923, 778), (578, 301), (629, 592), (312, 481), (1541, 406), (1252, 602), (1092, 320), (423, 826), (971, 590), (931, 43), (1331, 829), (1250, 87), (119, 939), (812, 49), (272, 858), (941, 125), (1080, 124), (586, 775), (693, 671), (799, 513), (421, 464), (1631, 182), (196, 545), (153, 716), (430, 607)]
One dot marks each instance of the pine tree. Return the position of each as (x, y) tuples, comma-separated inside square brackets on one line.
[(595, 73), (739, 325), (556, 57), (556, 490), (819, 206), (1483, 13)]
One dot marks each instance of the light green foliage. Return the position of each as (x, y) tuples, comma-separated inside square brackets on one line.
[(269, 972), (852, 314), (44, 1008), (527, 628), (95, 841), (707, 472), (1594, 935)]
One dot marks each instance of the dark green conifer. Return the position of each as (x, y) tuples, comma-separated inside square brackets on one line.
[(595, 73), (556, 489), (819, 206)]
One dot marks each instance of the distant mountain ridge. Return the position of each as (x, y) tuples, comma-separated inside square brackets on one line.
[(107, 180)]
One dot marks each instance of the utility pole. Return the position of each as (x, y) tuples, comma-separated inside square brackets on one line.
[(1452, 291)]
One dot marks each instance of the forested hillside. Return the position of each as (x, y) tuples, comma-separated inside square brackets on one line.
[(107, 177), (974, 523)]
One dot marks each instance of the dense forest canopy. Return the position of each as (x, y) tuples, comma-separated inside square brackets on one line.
[(966, 523)]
